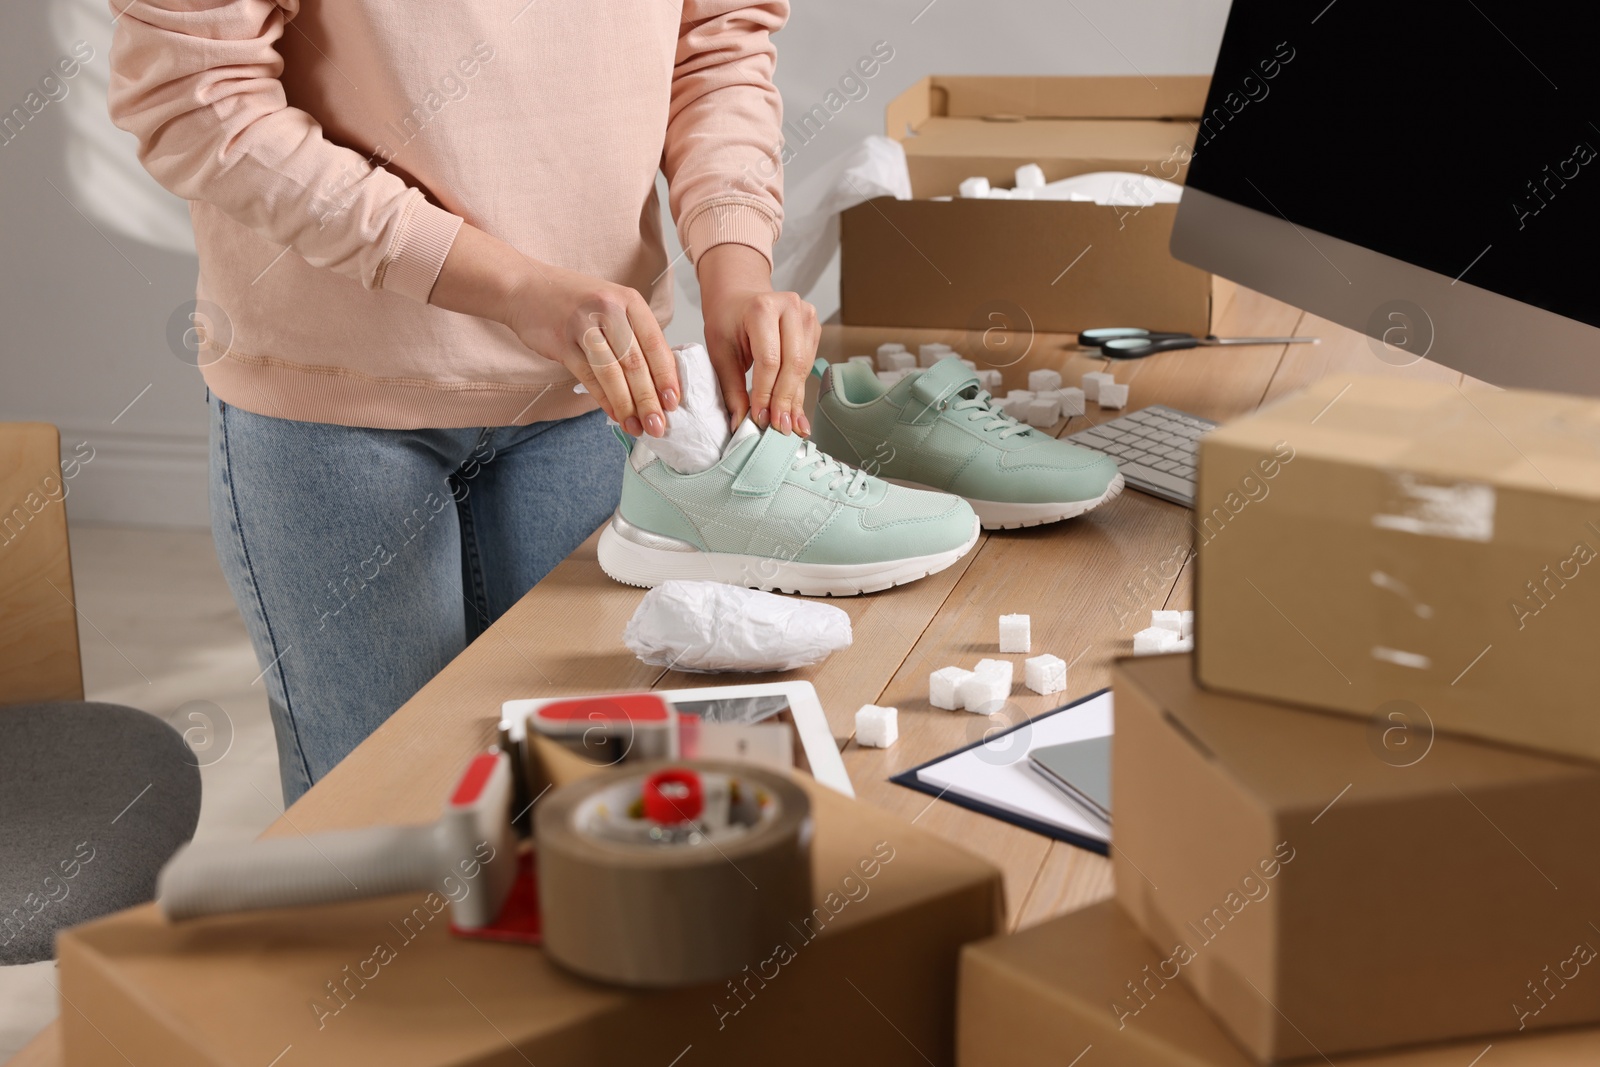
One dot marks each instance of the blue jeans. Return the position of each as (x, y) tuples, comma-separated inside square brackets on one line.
[(364, 560)]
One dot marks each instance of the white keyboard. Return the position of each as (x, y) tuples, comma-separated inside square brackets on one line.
[(1154, 448)]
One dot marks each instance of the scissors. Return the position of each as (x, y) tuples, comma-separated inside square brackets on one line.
[(1128, 342)]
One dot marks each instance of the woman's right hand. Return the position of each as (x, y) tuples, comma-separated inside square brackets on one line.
[(603, 333)]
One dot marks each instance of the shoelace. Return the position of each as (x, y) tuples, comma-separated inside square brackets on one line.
[(811, 456), (988, 416)]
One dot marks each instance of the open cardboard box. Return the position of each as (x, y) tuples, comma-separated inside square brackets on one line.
[(869, 977), (1053, 266)]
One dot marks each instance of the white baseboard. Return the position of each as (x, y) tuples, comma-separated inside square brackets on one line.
[(136, 479)]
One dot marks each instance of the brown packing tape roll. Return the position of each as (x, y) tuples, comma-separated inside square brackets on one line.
[(670, 915)]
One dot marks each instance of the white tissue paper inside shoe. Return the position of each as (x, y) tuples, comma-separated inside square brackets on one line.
[(698, 431), (710, 627)]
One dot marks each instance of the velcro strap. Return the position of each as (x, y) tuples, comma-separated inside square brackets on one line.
[(769, 461), (941, 381)]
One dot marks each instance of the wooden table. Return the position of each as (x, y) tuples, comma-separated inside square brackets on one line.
[(1088, 584)]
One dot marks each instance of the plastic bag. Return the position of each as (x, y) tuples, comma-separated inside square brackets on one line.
[(709, 627)]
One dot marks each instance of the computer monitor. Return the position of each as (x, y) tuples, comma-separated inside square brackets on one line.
[(1428, 174)]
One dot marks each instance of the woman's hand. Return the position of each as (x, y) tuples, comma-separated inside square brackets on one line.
[(604, 333), (747, 323)]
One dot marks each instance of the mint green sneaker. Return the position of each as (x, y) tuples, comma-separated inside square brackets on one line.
[(776, 513), (938, 429)]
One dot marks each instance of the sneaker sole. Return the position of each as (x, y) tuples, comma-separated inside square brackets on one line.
[(628, 561), (1003, 515)]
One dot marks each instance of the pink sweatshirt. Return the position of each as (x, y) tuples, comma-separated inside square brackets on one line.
[(330, 150)]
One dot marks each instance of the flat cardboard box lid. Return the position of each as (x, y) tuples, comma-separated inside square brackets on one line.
[(239, 988), (1296, 759), (1515, 438), (1022, 994)]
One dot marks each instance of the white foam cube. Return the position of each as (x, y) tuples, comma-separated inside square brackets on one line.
[(1168, 620), (1014, 633), (1155, 639), (997, 666), (990, 380), (1030, 176), (1186, 624), (933, 352), (868, 360), (1019, 394), (1016, 407), (901, 361), (1044, 411), (975, 187), (1071, 399), (1113, 395), (967, 363), (1183, 644), (1093, 381), (988, 688), (1045, 674), (1044, 381), (877, 727), (944, 687), (891, 377), (999, 193), (890, 346)]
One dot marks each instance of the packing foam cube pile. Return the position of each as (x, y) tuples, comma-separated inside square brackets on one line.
[(1169, 631), (1092, 382), (1045, 674), (877, 727), (1014, 633), (944, 687)]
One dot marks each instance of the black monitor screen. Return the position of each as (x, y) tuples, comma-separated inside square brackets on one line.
[(1463, 137)]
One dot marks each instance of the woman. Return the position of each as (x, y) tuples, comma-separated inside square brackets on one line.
[(418, 227)]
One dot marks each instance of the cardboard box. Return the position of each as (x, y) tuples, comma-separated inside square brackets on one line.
[(1321, 899), (1416, 553), (953, 264), (241, 990), (1041, 997)]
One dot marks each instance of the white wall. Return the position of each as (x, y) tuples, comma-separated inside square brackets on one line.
[(94, 268)]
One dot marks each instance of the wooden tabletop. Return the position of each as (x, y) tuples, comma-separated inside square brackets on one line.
[(1088, 583)]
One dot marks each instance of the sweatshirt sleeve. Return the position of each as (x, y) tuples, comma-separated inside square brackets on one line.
[(196, 81), (724, 128)]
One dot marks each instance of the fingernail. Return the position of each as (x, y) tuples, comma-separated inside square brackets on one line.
[(763, 417), (632, 426), (654, 425), (669, 399), (803, 424), (784, 423)]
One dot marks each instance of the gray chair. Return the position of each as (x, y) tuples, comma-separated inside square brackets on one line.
[(94, 798)]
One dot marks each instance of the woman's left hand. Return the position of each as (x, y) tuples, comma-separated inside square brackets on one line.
[(747, 323)]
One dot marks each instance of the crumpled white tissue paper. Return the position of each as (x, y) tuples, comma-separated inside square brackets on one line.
[(697, 431), (708, 627)]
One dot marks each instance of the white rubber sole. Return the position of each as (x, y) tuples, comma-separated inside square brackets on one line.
[(647, 566), (1002, 515)]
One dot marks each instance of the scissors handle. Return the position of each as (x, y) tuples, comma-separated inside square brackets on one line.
[(1098, 337), (1139, 347)]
